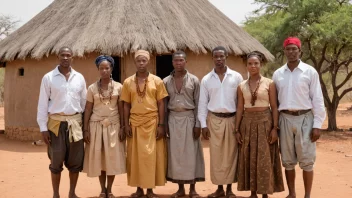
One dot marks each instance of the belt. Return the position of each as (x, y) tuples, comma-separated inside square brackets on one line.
[(296, 113), (224, 115)]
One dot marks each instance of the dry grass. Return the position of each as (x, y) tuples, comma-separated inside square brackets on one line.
[(121, 26)]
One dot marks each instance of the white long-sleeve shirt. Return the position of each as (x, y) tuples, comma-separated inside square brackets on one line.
[(58, 96), (300, 90), (217, 96)]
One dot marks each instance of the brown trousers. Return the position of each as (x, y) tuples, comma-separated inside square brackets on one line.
[(61, 151)]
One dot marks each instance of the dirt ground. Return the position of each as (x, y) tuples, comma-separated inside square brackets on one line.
[(24, 170)]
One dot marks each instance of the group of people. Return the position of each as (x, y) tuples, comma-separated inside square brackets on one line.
[(163, 120)]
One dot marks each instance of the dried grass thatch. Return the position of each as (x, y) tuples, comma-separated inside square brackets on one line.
[(122, 26)]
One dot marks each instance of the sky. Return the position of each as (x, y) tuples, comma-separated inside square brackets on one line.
[(24, 10)]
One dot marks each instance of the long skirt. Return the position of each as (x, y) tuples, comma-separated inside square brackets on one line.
[(223, 150), (146, 156), (185, 155), (259, 161), (104, 152)]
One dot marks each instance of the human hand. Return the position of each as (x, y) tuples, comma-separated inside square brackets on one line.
[(196, 133), (46, 137), (315, 135), (159, 132), (206, 133)]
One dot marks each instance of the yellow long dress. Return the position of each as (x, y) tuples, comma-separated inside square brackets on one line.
[(146, 156)]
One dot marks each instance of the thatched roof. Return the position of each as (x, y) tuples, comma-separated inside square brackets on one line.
[(122, 26)]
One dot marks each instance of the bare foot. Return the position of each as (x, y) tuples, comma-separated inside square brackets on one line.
[(193, 194), (230, 194), (72, 195), (179, 193), (265, 196), (102, 195), (56, 196), (110, 195), (138, 193), (218, 193), (151, 195), (291, 196)]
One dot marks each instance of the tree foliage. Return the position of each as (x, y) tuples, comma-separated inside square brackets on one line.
[(325, 29)]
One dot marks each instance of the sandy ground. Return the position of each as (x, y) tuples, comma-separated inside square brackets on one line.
[(24, 170)]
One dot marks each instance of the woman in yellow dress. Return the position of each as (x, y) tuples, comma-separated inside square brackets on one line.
[(103, 132)]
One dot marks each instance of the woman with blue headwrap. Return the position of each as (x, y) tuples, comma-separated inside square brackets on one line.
[(103, 128)]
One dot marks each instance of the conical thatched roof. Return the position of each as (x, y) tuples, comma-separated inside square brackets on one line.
[(121, 26)]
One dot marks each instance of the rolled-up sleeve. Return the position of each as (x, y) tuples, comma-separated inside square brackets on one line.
[(203, 104), (43, 104), (317, 98)]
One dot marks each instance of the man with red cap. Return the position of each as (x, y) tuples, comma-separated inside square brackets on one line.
[(302, 113)]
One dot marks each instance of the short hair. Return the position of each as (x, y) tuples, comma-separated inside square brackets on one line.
[(179, 53), (64, 49), (261, 57), (219, 48)]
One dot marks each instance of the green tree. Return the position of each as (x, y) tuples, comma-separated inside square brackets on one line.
[(325, 29)]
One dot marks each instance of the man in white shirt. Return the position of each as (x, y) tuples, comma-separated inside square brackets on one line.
[(62, 100), (216, 113), (302, 113)]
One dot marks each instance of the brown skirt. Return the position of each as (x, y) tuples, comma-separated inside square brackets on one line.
[(259, 162)]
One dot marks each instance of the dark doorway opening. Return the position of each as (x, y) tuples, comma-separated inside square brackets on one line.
[(164, 65), (116, 73)]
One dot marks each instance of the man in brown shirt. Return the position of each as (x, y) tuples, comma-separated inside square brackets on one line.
[(185, 153)]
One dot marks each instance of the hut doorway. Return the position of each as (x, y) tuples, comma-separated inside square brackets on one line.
[(164, 65), (116, 73)]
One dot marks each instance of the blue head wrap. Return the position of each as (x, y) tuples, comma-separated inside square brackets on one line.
[(102, 58)]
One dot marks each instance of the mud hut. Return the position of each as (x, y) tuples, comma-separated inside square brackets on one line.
[(117, 28)]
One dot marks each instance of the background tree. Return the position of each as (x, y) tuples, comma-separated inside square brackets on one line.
[(7, 25), (325, 29)]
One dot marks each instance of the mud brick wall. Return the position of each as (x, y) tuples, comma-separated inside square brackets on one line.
[(23, 133)]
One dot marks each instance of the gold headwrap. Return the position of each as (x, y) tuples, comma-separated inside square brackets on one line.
[(142, 53)]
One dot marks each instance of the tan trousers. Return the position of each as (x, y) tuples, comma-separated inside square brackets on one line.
[(223, 150)]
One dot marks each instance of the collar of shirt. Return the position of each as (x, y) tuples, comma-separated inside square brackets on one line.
[(228, 72), (150, 78), (57, 71), (302, 66), (173, 72)]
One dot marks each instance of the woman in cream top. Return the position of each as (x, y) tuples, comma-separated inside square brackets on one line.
[(103, 130), (259, 165)]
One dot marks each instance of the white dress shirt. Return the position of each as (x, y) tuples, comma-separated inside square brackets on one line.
[(58, 96), (300, 90), (217, 96)]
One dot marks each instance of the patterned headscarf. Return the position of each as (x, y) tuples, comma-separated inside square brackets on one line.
[(102, 58)]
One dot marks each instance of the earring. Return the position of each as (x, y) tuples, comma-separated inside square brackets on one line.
[(111, 76)]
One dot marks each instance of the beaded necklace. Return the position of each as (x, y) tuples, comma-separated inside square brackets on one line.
[(140, 93), (102, 95), (255, 92)]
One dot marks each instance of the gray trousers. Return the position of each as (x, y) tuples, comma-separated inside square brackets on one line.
[(295, 143)]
